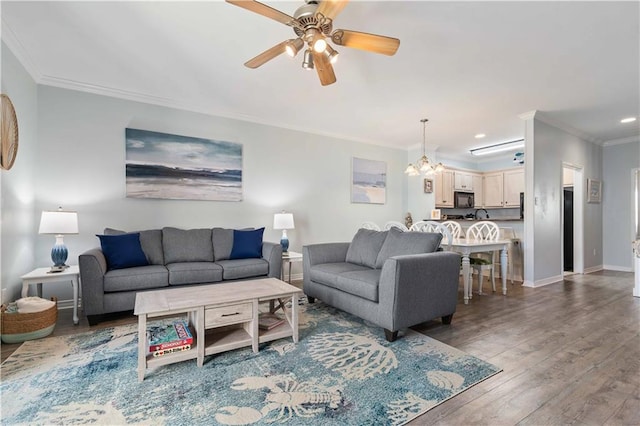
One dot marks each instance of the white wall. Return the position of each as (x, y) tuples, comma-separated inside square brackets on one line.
[(550, 148), (618, 161), (17, 186), (81, 166)]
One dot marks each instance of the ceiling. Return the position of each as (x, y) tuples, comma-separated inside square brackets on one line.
[(470, 67)]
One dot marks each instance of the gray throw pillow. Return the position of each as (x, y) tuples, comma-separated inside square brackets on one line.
[(399, 243), (365, 246), (187, 245), (150, 240)]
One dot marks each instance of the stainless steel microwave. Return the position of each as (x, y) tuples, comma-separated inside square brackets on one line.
[(463, 200)]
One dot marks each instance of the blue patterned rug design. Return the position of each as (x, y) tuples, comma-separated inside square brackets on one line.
[(342, 372)]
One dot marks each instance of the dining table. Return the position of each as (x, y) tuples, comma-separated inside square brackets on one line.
[(466, 246)]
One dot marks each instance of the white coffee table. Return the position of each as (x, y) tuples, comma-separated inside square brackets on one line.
[(44, 275), (223, 316)]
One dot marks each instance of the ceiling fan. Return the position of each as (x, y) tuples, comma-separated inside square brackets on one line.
[(313, 25)]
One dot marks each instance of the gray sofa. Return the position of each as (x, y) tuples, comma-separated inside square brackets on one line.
[(393, 279), (175, 257)]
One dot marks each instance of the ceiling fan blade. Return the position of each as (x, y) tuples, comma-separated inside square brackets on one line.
[(266, 56), (324, 68), (331, 8), (264, 10), (364, 41)]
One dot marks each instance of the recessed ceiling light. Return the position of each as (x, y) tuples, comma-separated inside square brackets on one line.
[(480, 135), (628, 120)]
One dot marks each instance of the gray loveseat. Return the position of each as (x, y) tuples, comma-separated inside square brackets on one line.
[(175, 257), (393, 279)]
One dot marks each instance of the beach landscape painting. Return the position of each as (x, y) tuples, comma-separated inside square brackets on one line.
[(368, 181), (161, 165)]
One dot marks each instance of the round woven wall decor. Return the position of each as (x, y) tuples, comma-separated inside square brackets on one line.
[(8, 134)]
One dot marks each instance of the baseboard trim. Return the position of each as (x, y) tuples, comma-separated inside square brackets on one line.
[(543, 282), (617, 268), (593, 269)]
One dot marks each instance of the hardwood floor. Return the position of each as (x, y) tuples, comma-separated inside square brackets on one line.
[(570, 353)]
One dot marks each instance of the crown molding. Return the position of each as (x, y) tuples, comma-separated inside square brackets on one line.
[(172, 103), (528, 115), (622, 141), (545, 118), (11, 41)]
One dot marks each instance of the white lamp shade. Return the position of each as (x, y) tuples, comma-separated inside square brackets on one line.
[(283, 221), (58, 222)]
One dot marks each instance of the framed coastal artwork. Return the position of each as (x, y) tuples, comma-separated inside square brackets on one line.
[(162, 165), (368, 181), (594, 191)]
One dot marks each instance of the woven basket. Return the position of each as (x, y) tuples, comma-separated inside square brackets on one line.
[(16, 327)]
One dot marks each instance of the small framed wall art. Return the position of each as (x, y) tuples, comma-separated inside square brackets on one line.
[(428, 186), (435, 214), (594, 191)]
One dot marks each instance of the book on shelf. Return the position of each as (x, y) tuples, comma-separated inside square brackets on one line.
[(267, 321), (161, 352), (169, 336)]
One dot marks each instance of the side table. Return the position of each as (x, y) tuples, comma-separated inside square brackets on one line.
[(290, 257), (43, 275)]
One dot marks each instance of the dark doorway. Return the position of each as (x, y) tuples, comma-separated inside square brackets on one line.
[(568, 229)]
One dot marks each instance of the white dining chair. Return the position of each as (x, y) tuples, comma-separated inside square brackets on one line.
[(432, 226), (394, 224), (370, 225), (453, 227), (480, 262)]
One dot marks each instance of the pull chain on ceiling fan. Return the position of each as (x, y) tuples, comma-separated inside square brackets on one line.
[(313, 25)]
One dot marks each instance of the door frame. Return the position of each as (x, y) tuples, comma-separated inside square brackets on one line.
[(578, 218)]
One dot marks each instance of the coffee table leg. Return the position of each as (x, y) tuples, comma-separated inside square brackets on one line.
[(200, 336), (294, 316), (142, 343)]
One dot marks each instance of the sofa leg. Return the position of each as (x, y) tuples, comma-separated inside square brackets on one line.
[(311, 299), (446, 320), (391, 336), (94, 319)]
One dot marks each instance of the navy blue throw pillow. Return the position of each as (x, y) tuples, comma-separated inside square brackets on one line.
[(123, 251), (247, 244)]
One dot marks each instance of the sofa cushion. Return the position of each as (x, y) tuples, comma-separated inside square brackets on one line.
[(400, 243), (243, 268), (122, 251), (187, 245), (365, 246), (247, 244), (137, 278), (327, 273), (222, 243), (194, 273), (360, 283), (151, 242)]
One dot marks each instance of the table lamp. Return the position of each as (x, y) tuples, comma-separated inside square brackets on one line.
[(283, 221), (59, 223)]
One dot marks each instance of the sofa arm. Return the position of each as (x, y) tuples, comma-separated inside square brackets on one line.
[(272, 253), (417, 288), (93, 266), (316, 254)]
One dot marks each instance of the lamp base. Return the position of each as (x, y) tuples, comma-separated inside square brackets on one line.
[(59, 253), (284, 242), (55, 269)]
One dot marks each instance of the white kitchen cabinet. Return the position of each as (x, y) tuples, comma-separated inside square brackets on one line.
[(444, 189), (513, 186), (463, 181), (493, 189), (478, 191)]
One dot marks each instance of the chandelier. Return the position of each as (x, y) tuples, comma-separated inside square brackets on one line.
[(424, 165)]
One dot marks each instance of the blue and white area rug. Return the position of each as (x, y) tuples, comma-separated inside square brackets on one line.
[(342, 372)]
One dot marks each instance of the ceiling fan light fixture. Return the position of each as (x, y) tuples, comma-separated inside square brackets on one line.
[(294, 46), (319, 43), (332, 54), (307, 62)]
